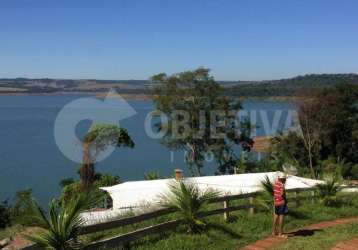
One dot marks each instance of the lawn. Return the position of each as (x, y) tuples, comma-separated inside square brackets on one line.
[(322, 240), (243, 230)]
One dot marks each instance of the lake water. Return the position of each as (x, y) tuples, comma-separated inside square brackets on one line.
[(30, 158)]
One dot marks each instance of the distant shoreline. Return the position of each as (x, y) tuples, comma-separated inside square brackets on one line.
[(143, 97)]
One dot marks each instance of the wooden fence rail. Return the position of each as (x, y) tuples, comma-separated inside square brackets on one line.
[(170, 225)]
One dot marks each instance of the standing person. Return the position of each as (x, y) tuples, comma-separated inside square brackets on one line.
[(280, 203)]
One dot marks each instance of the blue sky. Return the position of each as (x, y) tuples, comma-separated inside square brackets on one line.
[(132, 39)]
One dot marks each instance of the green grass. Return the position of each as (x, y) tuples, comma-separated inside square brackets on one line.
[(322, 240), (244, 229)]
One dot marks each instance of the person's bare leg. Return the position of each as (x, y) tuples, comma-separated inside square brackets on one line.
[(281, 224), (274, 224)]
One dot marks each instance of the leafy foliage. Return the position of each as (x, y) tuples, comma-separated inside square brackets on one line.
[(328, 191), (63, 224), (152, 175), (97, 140), (188, 201), (73, 190), (67, 181), (21, 208), (329, 121), (194, 105), (265, 198)]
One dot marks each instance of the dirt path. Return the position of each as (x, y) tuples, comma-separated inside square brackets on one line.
[(347, 245), (19, 241), (271, 241)]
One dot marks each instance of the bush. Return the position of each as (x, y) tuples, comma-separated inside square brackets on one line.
[(188, 201), (73, 190), (354, 172), (328, 191), (4, 215), (21, 208), (265, 199)]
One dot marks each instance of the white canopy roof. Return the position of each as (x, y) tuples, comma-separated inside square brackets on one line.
[(139, 194)]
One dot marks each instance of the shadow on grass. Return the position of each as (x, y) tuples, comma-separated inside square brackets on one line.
[(304, 232)]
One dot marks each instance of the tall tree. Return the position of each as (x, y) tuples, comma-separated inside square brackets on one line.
[(333, 117), (311, 125), (200, 120), (329, 123), (98, 139)]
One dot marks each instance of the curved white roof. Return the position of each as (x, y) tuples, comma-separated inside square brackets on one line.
[(137, 194)]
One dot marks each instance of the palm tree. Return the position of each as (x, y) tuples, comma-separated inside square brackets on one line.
[(188, 201), (97, 140), (328, 191), (62, 226), (265, 198)]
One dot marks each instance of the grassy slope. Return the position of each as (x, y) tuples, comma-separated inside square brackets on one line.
[(242, 231)]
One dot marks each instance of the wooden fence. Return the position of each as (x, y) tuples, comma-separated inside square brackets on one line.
[(119, 240), (169, 225)]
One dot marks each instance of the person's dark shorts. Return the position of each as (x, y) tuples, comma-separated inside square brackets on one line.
[(281, 210)]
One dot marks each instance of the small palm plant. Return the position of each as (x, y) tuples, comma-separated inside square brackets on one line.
[(265, 199), (62, 226), (152, 175), (188, 201), (328, 191)]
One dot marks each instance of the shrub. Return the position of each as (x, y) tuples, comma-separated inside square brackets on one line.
[(4, 215), (354, 172), (73, 190), (152, 175), (188, 201), (21, 208), (265, 198), (328, 191), (63, 224)]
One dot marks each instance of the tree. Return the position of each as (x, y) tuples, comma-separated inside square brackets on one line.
[(63, 224), (97, 140), (338, 112), (188, 201), (201, 119), (310, 122), (329, 123)]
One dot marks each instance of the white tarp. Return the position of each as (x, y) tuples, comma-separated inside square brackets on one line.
[(142, 193)]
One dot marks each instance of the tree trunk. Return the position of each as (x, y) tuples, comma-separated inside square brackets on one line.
[(87, 171), (311, 163)]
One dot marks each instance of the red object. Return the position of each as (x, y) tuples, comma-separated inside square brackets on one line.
[(279, 193)]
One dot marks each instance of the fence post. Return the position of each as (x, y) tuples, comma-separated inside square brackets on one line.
[(226, 213), (312, 196), (251, 209)]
